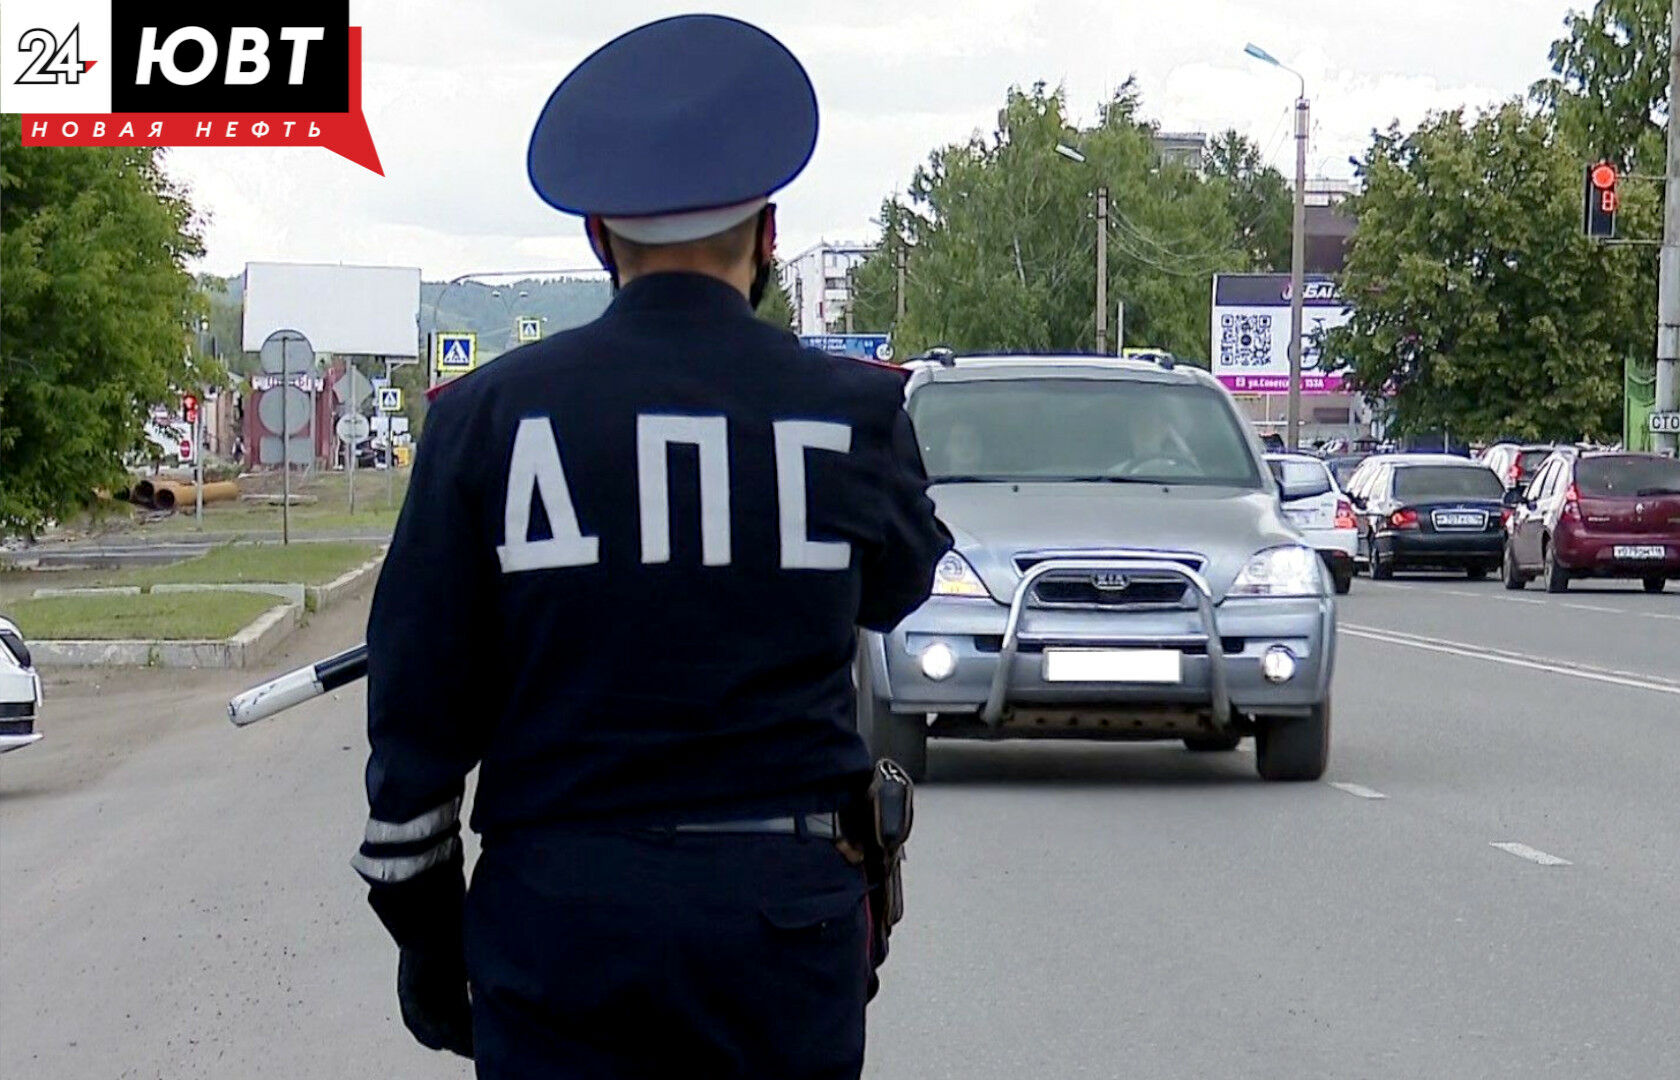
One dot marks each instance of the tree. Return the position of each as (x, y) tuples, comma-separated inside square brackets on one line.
[(776, 309), (1257, 198), (1610, 84), (94, 317), (1477, 303), (1000, 236)]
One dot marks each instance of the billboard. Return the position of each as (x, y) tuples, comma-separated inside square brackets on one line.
[(372, 310), (856, 346), (1251, 333)]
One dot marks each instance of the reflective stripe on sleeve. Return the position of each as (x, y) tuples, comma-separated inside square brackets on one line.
[(391, 870), (430, 823)]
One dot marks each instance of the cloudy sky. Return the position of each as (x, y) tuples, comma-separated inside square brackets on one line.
[(452, 88)]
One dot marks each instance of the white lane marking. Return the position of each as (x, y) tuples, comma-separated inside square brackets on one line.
[(1422, 588), (1358, 790), (1631, 679), (1533, 855)]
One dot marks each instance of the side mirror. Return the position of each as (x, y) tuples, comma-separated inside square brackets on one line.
[(1297, 492), (1513, 498), (1358, 501)]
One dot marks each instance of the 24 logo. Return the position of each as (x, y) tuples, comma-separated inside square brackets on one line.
[(51, 62)]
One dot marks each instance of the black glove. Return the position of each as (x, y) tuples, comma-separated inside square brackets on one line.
[(432, 991)]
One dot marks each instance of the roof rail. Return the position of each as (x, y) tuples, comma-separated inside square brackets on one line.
[(939, 354)]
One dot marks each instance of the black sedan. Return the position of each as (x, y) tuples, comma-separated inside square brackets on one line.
[(1430, 511)]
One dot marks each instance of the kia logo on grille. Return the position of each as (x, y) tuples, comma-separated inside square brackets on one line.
[(1110, 580)]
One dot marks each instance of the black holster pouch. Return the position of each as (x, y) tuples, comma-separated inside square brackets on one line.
[(876, 828)]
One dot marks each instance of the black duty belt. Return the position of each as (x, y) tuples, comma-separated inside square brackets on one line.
[(817, 826)]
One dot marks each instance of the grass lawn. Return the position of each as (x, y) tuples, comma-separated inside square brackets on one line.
[(168, 616), (376, 506), (307, 564)]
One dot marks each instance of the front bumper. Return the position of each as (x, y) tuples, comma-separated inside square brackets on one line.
[(1221, 678), (17, 725)]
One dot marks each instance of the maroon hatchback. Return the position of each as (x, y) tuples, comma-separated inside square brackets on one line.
[(1596, 515)]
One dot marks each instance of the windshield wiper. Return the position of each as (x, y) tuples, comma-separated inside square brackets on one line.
[(961, 478), (1643, 492)]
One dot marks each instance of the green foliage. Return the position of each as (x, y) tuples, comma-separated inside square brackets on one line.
[(94, 316), (1000, 235), (1257, 198), (1610, 84), (1476, 299), (776, 309)]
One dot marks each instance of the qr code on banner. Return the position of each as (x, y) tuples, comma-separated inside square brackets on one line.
[(1245, 340)]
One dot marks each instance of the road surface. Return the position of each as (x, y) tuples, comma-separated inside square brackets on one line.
[(175, 899)]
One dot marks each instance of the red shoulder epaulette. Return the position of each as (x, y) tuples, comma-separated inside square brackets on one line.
[(431, 395), (894, 368)]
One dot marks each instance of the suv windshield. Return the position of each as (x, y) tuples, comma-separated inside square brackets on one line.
[(1420, 483), (1613, 476), (1081, 429)]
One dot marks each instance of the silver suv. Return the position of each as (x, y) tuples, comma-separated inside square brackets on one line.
[(1123, 569)]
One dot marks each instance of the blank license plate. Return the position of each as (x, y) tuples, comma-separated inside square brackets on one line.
[(1640, 552), (1113, 665)]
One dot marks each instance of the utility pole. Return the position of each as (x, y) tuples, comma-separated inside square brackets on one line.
[(285, 450), (1102, 268), (1668, 280), (1297, 267), (900, 317)]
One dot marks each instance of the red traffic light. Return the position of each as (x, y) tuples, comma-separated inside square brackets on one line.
[(1604, 176), (189, 407)]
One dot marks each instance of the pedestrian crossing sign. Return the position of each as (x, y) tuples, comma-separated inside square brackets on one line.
[(390, 399), (457, 353), (530, 329)]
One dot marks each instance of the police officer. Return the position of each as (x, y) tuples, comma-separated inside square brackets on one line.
[(626, 584)]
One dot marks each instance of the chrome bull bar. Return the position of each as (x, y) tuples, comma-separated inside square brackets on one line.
[(992, 713)]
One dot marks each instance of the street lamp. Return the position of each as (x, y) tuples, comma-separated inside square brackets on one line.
[(1102, 251), (1297, 258)]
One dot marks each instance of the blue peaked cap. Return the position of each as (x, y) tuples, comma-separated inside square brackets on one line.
[(690, 113)]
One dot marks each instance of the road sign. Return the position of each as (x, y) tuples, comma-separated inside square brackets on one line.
[(353, 427), (186, 450), (390, 399), (1665, 423), (457, 353), (530, 328)]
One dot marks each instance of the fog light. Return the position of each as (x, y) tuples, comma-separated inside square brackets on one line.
[(1278, 665), (938, 661)]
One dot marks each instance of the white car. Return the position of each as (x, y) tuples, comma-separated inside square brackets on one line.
[(1323, 513), (20, 690)]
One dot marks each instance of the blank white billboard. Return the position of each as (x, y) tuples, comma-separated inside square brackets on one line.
[(340, 309)]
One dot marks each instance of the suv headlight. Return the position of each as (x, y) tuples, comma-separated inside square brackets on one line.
[(954, 577), (1281, 571)]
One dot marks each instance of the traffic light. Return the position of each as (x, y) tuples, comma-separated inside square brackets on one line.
[(1602, 201), (189, 408)]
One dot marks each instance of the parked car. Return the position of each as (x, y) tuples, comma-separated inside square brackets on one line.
[(20, 690), (1123, 570), (1321, 511), (1516, 463), (1598, 515), (1428, 511)]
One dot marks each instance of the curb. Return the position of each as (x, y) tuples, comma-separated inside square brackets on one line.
[(101, 590), (291, 593), (244, 649), (346, 585)]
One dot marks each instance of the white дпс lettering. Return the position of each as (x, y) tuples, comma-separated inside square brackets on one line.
[(535, 468), (710, 435)]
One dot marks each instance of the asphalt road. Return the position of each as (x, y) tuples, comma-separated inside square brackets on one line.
[(175, 899)]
